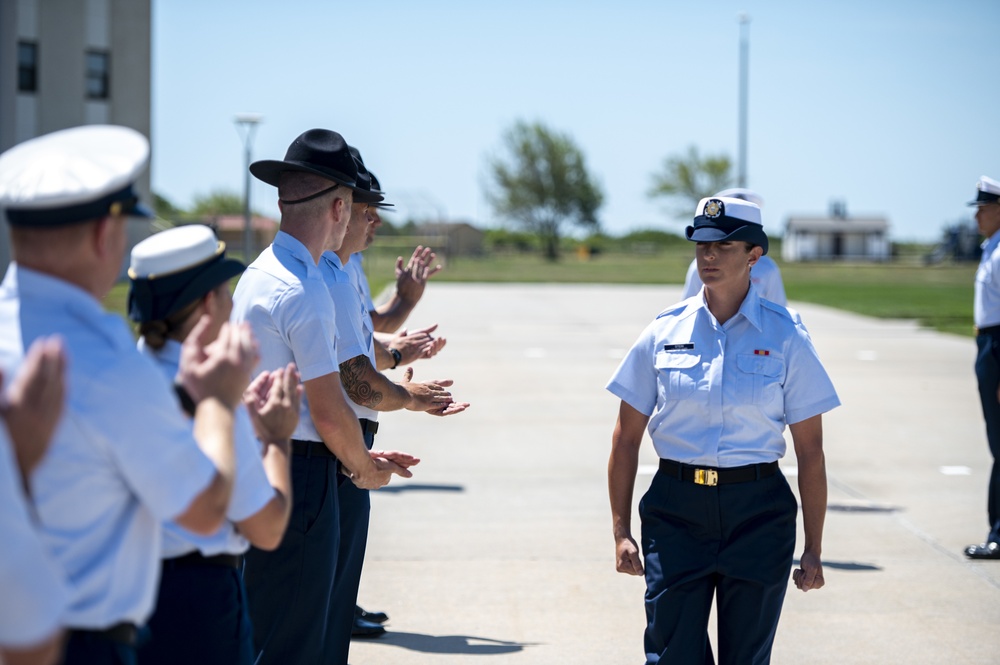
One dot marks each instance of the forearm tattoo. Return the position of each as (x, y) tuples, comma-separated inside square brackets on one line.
[(352, 374)]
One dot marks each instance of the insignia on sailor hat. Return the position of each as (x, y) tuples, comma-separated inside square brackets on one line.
[(714, 208)]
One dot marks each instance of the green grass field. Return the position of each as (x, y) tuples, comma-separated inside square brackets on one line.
[(939, 297)]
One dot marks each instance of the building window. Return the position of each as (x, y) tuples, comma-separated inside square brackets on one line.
[(98, 86), (27, 67)]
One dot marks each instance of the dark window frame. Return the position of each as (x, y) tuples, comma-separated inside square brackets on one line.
[(27, 66), (97, 78)]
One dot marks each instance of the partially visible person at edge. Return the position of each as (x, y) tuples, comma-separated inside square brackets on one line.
[(369, 392), (34, 590), (986, 313), (715, 380), (179, 287), (284, 298), (123, 458), (765, 275)]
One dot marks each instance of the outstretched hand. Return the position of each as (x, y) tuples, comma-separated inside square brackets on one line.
[(219, 368), (411, 279), (273, 401), (431, 396), (417, 344)]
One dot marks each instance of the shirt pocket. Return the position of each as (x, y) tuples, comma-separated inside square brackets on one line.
[(759, 378), (677, 374)]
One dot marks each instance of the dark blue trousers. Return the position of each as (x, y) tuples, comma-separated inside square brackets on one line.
[(289, 589), (84, 648), (201, 617), (733, 543), (355, 508), (988, 374)]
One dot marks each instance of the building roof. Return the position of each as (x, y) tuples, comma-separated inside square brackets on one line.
[(235, 222), (837, 225)]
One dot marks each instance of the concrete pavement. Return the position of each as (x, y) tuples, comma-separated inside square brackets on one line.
[(499, 549)]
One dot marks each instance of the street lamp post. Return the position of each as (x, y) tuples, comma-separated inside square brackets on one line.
[(744, 19), (246, 125)]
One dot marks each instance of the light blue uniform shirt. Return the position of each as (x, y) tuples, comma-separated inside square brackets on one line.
[(986, 306), (356, 269), (284, 298), (33, 594), (251, 490), (355, 332), (721, 395), (122, 459), (765, 275)]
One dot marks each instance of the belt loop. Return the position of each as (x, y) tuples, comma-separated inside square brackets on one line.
[(756, 467), (680, 471)]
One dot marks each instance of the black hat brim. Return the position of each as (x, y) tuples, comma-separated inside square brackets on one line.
[(270, 170), (157, 299), (751, 233)]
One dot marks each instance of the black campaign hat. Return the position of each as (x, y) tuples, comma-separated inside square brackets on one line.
[(367, 179), (723, 218), (321, 152)]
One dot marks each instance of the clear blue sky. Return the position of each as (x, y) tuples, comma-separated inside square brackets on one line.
[(891, 106)]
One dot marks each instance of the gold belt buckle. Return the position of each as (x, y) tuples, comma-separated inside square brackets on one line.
[(708, 477)]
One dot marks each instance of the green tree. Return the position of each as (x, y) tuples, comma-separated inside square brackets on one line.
[(542, 182), (687, 179), (165, 209), (217, 202)]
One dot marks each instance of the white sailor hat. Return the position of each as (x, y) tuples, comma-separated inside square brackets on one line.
[(742, 193), (721, 218), (174, 268), (73, 175), (987, 191)]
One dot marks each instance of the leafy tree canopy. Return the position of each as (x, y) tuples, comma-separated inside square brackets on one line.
[(687, 179), (541, 182)]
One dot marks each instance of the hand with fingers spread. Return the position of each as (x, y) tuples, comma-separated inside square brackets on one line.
[(431, 396), (221, 368), (809, 574), (273, 400), (417, 344), (33, 402), (411, 279), (382, 470)]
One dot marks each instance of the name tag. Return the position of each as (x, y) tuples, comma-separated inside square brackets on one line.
[(678, 347)]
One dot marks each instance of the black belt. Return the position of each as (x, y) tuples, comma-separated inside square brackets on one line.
[(121, 633), (304, 448), (198, 559), (311, 449), (707, 475), (988, 330)]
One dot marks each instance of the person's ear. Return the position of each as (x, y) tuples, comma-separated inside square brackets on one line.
[(755, 253)]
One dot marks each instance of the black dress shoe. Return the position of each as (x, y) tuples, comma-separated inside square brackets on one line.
[(374, 617), (987, 550), (366, 629)]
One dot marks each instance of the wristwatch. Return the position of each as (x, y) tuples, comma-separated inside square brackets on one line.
[(396, 357)]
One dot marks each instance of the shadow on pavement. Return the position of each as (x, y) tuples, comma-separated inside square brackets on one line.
[(846, 565), (458, 644), (417, 487)]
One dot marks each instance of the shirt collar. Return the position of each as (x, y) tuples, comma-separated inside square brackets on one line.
[(749, 309), (332, 258), (294, 247)]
